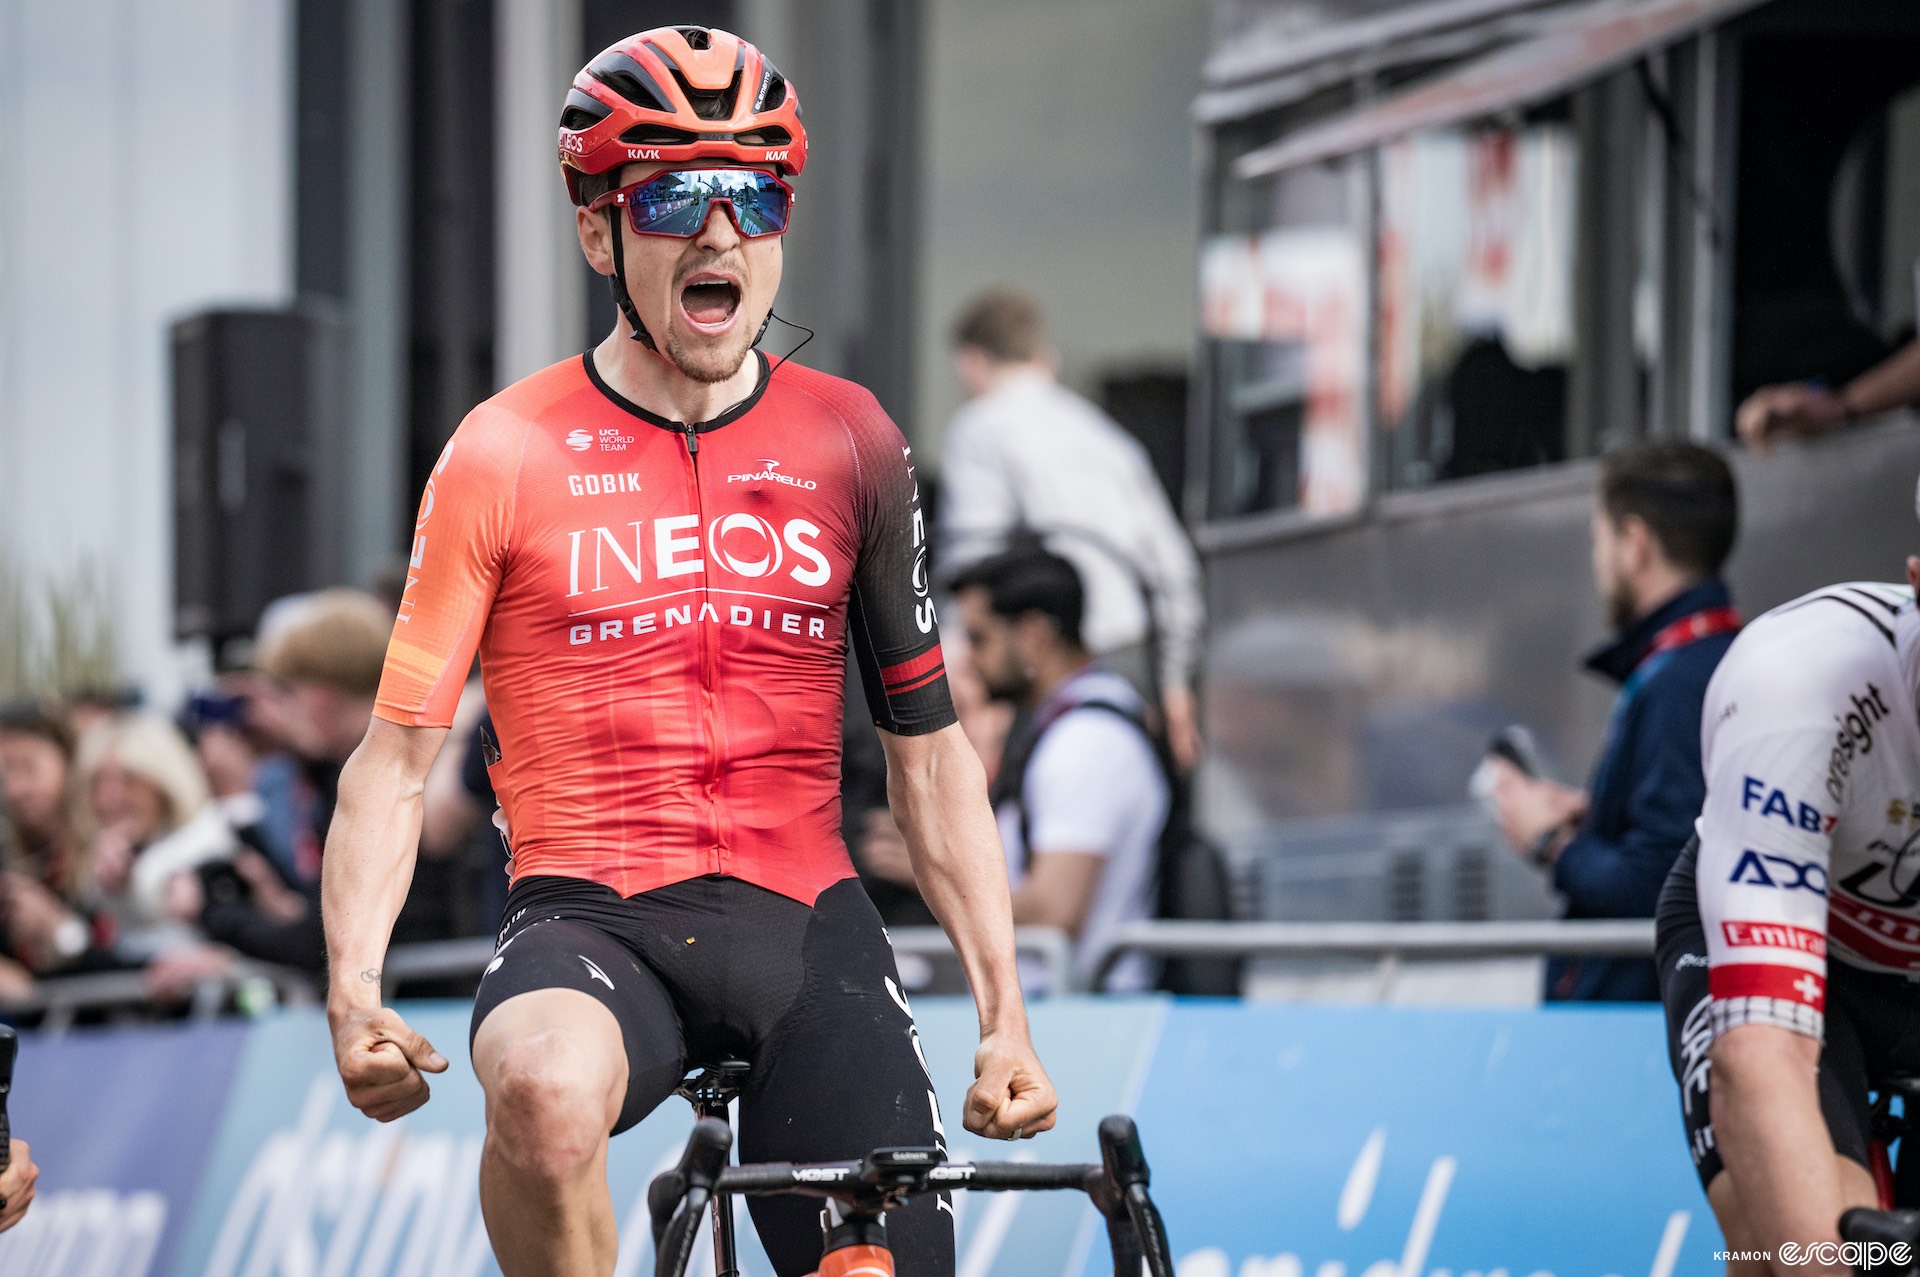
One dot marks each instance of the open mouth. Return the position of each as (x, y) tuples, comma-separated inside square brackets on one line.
[(710, 302)]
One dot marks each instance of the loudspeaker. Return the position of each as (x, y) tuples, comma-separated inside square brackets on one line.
[(256, 464)]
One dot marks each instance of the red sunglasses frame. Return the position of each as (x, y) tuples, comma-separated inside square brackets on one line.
[(623, 198)]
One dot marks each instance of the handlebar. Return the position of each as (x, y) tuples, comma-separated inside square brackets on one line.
[(886, 1178)]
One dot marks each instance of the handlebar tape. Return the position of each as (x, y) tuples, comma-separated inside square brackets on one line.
[(701, 1164), (1863, 1225)]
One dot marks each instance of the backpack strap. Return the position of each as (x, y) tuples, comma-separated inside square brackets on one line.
[(1009, 785)]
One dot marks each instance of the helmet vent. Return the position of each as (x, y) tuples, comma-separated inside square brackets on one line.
[(626, 77), (656, 135), (710, 104), (582, 112), (696, 37), (773, 135)]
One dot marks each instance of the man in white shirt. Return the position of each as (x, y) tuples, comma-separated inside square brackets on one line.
[(1081, 796), (1026, 453)]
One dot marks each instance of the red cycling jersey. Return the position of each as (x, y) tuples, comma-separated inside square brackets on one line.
[(662, 615)]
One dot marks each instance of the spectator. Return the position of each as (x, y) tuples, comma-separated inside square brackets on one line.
[(1664, 526), (1025, 452), (149, 816), (1081, 796), (1802, 409), (320, 670), (42, 921)]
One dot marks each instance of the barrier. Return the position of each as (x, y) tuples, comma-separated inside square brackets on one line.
[(1388, 1142), (1391, 942)]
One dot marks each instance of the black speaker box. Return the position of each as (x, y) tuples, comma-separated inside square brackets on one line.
[(256, 438)]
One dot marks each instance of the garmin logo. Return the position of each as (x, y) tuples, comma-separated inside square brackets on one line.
[(772, 475)]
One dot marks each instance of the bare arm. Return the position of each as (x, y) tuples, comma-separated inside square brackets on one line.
[(1773, 1139), (1058, 890), (365, 874), (1804, 408), (938, 793)]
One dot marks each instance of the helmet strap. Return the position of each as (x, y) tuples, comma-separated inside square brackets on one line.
[(617, 282)]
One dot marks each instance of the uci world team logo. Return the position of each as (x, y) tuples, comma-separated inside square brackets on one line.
[(579, 440)]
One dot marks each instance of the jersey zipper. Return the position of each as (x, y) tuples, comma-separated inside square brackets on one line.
[(709, 710)]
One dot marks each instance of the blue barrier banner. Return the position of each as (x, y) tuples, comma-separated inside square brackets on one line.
[(300, 1183), (121, 1122), (1285, 1142), (1407, 1142)]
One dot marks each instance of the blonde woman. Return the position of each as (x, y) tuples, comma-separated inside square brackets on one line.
[(150, 816)]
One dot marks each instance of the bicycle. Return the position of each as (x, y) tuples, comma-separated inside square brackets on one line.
[(1897, 1221), (858, 1194)]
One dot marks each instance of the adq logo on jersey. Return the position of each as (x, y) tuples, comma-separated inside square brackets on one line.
[(771, 474)]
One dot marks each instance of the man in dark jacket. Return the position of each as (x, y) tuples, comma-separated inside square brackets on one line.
[(1662, 529)]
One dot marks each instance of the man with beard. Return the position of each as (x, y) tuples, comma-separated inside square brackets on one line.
[(1082, 795), (1663, 527), (662, 552)]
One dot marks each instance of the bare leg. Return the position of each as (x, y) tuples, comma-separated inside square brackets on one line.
[(1856, 1187), (555, 1072)]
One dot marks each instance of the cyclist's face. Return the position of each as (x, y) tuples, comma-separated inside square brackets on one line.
[(703, 298)]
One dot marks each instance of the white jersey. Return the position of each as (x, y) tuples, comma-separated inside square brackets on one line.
[(1810, 837)]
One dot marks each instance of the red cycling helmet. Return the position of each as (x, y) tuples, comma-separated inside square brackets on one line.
[(674, 94)]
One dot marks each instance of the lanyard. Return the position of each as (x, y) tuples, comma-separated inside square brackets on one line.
[(1704, 624)]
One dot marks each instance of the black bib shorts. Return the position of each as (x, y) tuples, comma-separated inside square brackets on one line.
[(716, 967)]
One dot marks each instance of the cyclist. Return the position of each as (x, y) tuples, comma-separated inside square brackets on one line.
[(662, 552), (1789, 929)]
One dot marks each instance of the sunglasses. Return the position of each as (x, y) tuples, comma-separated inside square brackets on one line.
[(678, 201)]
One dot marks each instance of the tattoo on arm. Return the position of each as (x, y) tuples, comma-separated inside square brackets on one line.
[(370, 976)]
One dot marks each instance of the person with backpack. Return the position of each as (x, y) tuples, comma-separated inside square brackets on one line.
[(1082, 796)]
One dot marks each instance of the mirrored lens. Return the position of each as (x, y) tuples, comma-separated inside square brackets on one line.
[(676, 203)]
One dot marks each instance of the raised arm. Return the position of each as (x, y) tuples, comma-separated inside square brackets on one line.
[(460, 536), (364, 878), (938, 793)]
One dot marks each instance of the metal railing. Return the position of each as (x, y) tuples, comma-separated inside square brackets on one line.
[(57, 1001), (1390, 942)]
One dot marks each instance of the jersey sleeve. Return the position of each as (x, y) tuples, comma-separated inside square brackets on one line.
[(1765, 840), (460, 539), (890, 621)]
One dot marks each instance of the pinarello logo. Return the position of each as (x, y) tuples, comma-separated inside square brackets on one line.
[(579, 440)]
